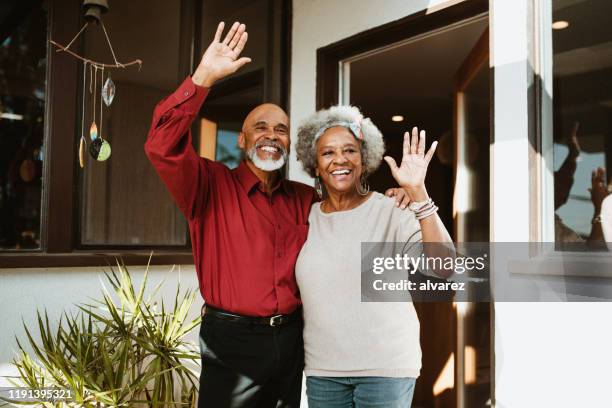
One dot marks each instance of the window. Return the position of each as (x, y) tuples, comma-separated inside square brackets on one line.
[(118, 206), (123, 202), (262, 80), (582, 112), (23, 63), (225, 108)]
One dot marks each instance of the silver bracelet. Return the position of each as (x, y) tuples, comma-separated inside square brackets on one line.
[(422, 208), (416, 206), (426, 213), (429, 205)]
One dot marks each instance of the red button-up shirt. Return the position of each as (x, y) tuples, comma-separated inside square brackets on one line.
[(245, 242)]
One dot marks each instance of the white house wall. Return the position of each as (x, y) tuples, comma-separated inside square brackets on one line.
[(546, 354), (23, 291)]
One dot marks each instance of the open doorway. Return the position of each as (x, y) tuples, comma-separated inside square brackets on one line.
[(436, 79)]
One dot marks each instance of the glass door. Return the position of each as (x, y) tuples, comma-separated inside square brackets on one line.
[(438, 81)]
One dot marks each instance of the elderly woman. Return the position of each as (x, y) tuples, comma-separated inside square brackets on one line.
[(358, 354)]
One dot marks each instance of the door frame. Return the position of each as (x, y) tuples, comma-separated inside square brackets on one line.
[(473, 63), (330, 57), (332, 74), (475, 60)]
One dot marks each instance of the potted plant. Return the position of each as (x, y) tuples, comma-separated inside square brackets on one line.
[(125, 349)]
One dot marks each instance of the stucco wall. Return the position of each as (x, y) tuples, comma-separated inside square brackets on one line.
[(23, 291)]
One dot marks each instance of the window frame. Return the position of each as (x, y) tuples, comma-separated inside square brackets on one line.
[(60, 204), (539, 211), (542, 226), (542, 174)]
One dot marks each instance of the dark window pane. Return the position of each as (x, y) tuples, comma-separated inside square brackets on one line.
[(254, 14), (123, 201), (23, 64), (582, 94), (231, 99)]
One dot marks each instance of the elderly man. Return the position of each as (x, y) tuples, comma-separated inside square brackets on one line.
[(247, 227)]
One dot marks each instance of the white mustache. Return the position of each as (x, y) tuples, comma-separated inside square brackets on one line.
[(270, 143)]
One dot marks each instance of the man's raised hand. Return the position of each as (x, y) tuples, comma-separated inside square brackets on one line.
[(221, 57)]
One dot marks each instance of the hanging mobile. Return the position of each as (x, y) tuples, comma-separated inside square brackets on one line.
[(99, 148)]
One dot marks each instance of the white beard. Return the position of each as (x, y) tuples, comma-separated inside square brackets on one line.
[(266, 165)]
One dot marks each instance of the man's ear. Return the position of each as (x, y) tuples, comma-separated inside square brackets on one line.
[(241, 140)]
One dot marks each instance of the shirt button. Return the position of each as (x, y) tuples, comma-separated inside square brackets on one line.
[(186, 93)]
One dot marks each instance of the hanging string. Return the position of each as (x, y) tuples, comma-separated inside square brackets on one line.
[(75, 37), (101, 121), (94, 92), (117, 64), (83, 97), (90, 76), (110, 45)]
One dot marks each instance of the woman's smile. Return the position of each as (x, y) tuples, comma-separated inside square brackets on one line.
[(340, 175)]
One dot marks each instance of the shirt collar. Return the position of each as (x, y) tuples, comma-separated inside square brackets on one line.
[(249, 180)]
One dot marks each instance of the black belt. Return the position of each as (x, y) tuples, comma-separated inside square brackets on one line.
[(276, 320)]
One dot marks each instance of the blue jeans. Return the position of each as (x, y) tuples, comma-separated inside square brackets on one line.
[(359, 392)]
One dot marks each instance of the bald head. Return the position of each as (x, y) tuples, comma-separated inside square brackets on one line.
[(267, 113), (265, 134)]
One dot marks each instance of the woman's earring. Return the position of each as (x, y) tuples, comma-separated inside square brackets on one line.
[(363, 188), (318, 187)]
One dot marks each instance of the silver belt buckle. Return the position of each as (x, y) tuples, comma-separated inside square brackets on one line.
[(274, 322)]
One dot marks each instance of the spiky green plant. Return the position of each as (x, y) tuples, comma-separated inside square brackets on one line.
[(125, 350)]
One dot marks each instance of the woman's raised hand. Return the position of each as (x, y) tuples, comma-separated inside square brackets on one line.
[(410, 175), (221, 57)]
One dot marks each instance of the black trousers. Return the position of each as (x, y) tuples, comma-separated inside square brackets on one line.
[(250, 366)]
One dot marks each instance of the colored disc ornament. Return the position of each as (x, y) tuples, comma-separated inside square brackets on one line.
[(100, 149)]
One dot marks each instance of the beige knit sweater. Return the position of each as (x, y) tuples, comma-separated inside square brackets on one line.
[(342, 335)]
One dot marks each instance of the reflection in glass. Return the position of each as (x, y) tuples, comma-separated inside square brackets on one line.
[(262, 80), (228, 152), (474, 195), (219, 144), (23, 64), (582, 94)]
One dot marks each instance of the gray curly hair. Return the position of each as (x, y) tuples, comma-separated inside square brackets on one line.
[(372, 148)]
